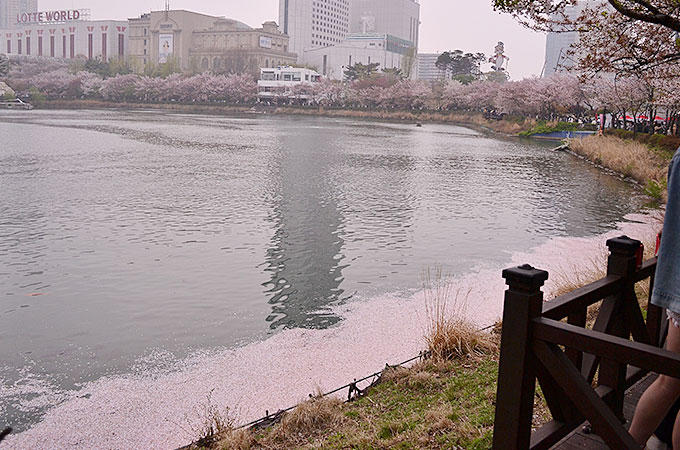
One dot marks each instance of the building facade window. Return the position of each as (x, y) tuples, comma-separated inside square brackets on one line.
[(104, 55), (28, 45), (63, 46), (40, 46), (121, 46), (89, 46), (72, 46), (9, 46), (52, 46), (19, 46)]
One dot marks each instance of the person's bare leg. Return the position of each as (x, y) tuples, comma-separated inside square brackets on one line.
[(676, 432), (657, 399)]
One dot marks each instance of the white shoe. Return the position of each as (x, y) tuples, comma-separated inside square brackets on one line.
[(655, 444)]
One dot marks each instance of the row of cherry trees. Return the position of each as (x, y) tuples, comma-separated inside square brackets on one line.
[(61, 84), (543, 98)]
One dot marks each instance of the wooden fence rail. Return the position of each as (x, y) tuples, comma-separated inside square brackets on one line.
[(583, 373)]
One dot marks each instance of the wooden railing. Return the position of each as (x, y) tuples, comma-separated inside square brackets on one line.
[(537, 344)]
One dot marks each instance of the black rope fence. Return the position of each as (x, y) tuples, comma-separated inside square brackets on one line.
[(353, 390)]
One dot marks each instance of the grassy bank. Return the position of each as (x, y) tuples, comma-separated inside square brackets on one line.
[(511, 126), (630, 159), (431, 405), (445, 401)]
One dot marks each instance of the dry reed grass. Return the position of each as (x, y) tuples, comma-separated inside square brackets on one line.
[(309, 420), (313, 415), (217, 430), (236, 440), (419, 376), (629, 158), (449, 335)]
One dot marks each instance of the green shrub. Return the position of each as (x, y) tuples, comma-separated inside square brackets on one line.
[(544, 127), (656, 189)]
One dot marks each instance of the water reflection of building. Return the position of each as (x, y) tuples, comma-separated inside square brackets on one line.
[(305, 259)]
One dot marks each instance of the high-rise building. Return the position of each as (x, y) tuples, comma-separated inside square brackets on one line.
[(558, 44), (427, 68), (398, 18), (10, 9), (314, 23)]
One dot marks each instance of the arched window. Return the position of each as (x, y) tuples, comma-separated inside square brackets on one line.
[(216, 63), (266, 63), (204, 63)]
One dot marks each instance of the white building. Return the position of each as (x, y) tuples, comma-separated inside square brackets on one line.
[(279, 81), (66, 34), (314, 23), (390, 52), (558, 44), (11, 10), (398, 18), (427, 68)]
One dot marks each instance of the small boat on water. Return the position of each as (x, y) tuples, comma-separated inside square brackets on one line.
[(17, 103)]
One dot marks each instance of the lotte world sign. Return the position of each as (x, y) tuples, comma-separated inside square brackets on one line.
[(49, 16)]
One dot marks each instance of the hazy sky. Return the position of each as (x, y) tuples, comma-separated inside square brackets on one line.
[(470, 25)]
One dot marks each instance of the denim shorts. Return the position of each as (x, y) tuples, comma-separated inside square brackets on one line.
[(666, 291)]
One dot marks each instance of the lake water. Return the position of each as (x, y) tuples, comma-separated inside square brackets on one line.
[(133, 240)]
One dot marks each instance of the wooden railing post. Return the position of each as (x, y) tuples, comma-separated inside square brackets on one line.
[(517, 371), (622, 262)]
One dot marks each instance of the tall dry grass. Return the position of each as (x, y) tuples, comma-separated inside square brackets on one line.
[(217, 429), (449, 334), (629, 158), (310, 420)]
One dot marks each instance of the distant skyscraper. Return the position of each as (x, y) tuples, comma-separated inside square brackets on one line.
[(558, 44), (399, 18), (314, 23), (428, 70), (9, 9)]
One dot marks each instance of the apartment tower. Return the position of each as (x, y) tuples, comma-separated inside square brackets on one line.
[(314, 23)]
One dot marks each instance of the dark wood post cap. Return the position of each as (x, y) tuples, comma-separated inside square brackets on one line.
[(525, 278), (624, 245)]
